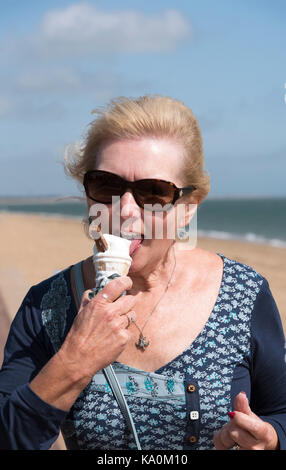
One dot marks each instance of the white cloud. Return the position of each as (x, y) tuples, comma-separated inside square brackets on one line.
[(72, 51), (84, 29)]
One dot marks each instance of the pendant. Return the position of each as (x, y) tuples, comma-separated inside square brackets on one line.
[(142, 343)]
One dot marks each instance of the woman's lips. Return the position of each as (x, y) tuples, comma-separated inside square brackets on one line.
[(135, 245)]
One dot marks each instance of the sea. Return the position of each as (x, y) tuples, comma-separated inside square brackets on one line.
[(253, 219)]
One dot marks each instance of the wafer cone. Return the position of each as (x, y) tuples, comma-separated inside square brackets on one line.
[(114, 260)]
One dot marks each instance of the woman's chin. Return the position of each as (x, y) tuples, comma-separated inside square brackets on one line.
[(147, 253), (139, 257)]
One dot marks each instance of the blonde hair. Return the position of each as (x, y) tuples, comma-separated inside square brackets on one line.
[(146, 116)]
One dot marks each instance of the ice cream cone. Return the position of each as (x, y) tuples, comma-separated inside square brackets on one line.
[(114, 260)]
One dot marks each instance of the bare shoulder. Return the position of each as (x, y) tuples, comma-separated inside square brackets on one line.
[(202, 259), (200, 269)]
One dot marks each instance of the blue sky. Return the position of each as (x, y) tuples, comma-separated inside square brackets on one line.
[(225, 59)]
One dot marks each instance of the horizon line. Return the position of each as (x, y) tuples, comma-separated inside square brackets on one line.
[(72, 198)]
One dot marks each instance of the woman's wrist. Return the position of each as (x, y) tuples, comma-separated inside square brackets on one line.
[(59, 384), (72, 368)]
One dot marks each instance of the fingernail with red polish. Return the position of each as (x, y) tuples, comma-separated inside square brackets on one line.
[(231, 414)]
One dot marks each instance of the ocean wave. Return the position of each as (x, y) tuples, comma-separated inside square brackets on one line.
[(248, 237), (210, 233)]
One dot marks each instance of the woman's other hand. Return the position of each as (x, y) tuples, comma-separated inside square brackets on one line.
[(245, 430)]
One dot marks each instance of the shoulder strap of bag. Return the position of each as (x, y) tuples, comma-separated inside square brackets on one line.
[(108, 371), (78, 280)]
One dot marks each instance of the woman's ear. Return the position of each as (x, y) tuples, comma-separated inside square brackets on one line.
[(185, 213), (186, 232)]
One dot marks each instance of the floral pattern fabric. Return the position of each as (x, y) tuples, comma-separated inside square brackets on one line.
[(157, 400), (54, 306)]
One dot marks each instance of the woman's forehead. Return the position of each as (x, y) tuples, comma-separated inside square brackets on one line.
[(142, 158)]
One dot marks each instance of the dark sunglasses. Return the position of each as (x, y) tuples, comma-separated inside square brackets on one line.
[(101, 185)]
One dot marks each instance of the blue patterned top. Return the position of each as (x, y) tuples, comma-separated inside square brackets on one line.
[(179, 406)]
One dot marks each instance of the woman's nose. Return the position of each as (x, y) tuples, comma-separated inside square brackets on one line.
[(128, 205)]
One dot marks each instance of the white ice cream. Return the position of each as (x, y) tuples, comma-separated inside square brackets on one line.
[(117, 246), (115, 259)]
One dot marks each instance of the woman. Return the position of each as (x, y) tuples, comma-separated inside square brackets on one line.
[(196, 343)]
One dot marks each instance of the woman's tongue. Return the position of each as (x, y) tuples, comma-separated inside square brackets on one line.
[(134, 245)]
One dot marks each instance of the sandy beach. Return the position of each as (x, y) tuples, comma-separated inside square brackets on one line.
[(35, 247)]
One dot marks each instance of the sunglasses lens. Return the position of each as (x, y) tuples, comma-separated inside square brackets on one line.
[(102, 186), (154, 192)]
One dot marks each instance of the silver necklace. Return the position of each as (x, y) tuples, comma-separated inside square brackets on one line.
[(142, 341)]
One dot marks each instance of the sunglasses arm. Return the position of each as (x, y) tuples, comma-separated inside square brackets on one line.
[(183, 191)]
